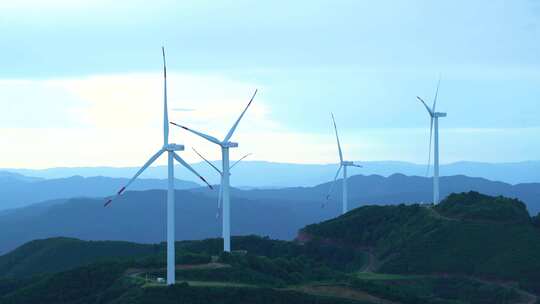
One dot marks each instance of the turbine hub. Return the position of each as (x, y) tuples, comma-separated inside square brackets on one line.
[(173, 147)]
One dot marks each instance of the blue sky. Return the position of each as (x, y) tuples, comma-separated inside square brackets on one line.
[(79, 80)]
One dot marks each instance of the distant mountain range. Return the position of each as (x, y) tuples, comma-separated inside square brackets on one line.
[(18, 190), (397, 189), (278, 213), (279, 175)]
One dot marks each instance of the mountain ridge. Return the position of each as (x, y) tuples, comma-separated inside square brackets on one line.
[(246, 174), (14, 191), (286, 210)]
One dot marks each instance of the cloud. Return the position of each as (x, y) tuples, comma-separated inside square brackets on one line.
[(109, 100), (118, 119)]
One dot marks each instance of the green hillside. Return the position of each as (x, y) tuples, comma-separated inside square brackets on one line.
[(466, 234), (471, 248), (58, 254)]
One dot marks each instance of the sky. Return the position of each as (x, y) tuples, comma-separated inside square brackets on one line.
[(80, 81)]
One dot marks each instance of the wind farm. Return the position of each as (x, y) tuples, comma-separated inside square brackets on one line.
[(282, 147)]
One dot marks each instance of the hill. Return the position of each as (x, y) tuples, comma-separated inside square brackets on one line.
[(467, 234), (59, 254), (141, 217), (471, 248), (14, 188), (267, 271)]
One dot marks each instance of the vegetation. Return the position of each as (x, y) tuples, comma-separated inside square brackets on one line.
[(90, 284), (471, 248), (263, 271), (58, 254), (203, 295), (438, 290), (467, 234), (476, 206)]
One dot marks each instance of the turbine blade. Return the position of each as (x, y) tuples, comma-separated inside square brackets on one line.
[(436, 95), (185, 164), (425, 105), (207, 161), (236, 162), (333, 183), (141, 170), (337, 138), (207, 137), (429, 152), (165, 108), (220, 196), (358, 166), (231, 131)]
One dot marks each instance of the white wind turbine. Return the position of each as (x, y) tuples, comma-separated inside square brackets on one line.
[(170, 148), (434, 123), (224, 194), (220, 174), (342, 165)]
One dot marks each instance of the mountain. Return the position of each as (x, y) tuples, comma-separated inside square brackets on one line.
[(18, 190), (467, 234), (278, 213), (279, 175), (6, 176), (395, 189), (470, 249), (141, 217)]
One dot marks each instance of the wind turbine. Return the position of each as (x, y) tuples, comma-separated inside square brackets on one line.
[(342, 165), (434, 123), (220, 195), (171, 149), (225, 145)]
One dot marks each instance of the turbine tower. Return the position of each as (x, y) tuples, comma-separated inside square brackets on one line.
[(342, 165), (434, 115), (225, 145), (171, 149)]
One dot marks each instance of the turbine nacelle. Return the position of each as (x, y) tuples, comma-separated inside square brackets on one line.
[(229, 144), (439, 114), (347, 163), (173, 147)]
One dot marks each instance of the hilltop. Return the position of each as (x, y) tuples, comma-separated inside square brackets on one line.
[(467, 234)]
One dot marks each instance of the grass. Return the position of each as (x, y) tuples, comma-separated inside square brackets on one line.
[(152, 283), (218, 284), (385, 277), (341, 291)]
